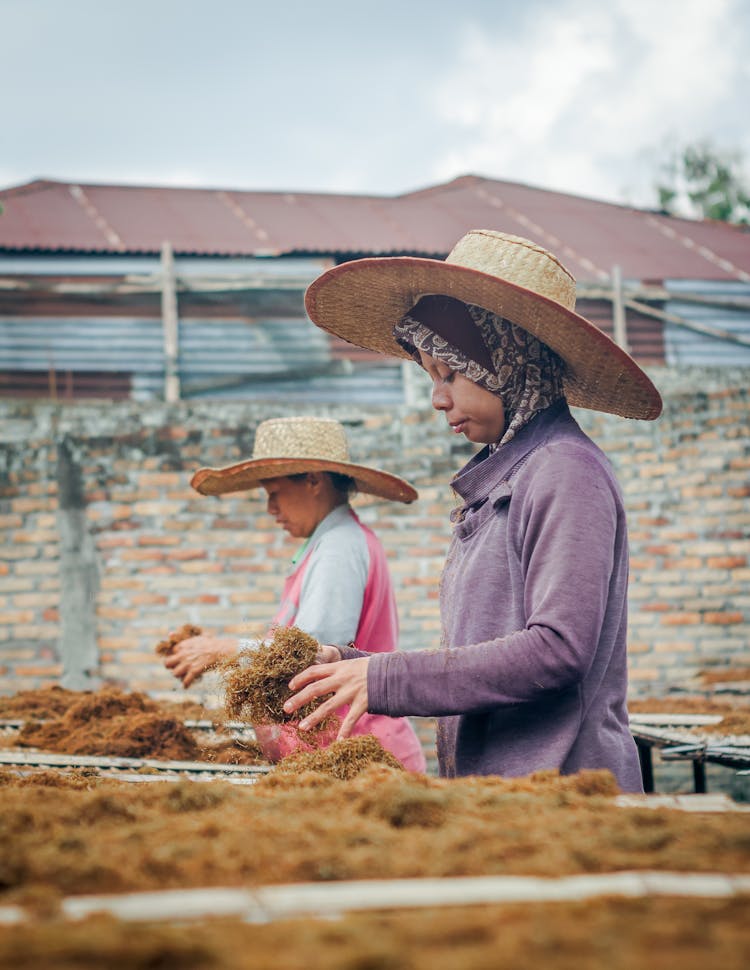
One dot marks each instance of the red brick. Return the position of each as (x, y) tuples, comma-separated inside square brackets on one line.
[(142, 555), (253, 596), (115, 541), (39, 670), (680, 619), (665, 549), (689, 562), (114, 581), (22, 600), (11, 617), (727, 562), (116, 613), (638, 673), (202, 567), (30, 505), (723, 619), (639, 647)]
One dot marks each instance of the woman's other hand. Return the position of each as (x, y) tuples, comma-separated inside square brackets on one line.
[(190, 658), (327, 654), (345, 680)]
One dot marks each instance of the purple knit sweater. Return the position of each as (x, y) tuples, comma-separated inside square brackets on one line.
[(532, 671)]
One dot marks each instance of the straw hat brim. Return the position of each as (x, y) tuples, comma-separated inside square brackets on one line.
[(249, 474), (362, 300)]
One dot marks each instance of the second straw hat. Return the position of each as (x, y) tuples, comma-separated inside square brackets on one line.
[(291, 446)]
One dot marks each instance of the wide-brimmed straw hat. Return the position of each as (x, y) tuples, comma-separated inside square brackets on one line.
[(290, 446), (362, 300)]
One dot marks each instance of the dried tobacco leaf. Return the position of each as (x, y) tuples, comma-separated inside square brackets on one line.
[(256, 684), (187, 630), (343, 759)]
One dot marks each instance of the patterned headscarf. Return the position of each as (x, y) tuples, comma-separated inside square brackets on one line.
[(498, 355)]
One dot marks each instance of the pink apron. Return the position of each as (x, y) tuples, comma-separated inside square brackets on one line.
[(377, 632)]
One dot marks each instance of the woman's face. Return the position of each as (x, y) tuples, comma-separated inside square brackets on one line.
[(469, 409), (291, 501)]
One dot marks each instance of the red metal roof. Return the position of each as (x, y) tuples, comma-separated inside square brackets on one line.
[(589, 236)]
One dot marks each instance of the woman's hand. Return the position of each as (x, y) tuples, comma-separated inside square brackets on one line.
[(190, 658), (346, 680), (327, 654)]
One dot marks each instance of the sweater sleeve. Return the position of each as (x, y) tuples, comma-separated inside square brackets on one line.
[(564, 531), (333, 588)]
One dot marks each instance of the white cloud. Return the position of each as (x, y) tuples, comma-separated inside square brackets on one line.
[(589, 92)]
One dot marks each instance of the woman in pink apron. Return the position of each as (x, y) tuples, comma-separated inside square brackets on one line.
[(339, 588)]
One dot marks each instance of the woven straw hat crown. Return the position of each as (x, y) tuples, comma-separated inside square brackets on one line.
[(518, 261), (317, 438)]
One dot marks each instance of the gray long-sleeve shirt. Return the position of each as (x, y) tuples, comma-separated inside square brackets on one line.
[(532, 673)]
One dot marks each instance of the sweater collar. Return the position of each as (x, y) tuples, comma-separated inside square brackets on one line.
[(485, 470)]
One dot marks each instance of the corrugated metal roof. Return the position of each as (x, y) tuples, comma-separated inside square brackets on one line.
[(590, 236)]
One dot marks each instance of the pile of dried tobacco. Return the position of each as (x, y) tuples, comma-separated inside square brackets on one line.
[(256, 683), (38, 704), (343, 759), (84, 834), (114, 723)]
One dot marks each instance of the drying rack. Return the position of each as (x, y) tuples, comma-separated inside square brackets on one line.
[(679, 738)]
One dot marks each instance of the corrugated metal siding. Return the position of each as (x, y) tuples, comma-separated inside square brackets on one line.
[(686, 348), (300, 270), (262, 358), (65, 385), (137, 344), (644, 334), (358, 384), (81, 344)]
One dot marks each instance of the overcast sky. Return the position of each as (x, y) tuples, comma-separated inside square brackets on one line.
[(584, 96)]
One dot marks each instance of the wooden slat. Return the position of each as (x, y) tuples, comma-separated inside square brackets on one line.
[(332, 899), (41, 760)]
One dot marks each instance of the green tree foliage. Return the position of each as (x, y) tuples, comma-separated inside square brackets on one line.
[(703, 182)]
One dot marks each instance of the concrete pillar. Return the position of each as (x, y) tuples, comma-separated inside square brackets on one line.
[(79, 576)]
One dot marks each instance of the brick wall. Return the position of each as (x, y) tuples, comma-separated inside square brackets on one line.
[(104, 547)]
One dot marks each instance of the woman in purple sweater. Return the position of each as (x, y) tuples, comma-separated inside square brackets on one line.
[(532, 671)]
